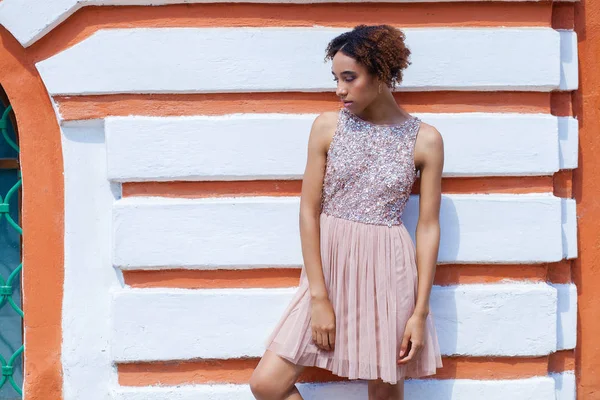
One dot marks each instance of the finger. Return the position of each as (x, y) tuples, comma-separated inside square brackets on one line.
[(325, 341), (319, 339), (314, 336), (404, 345), (403, 355), (332, 340), (411, 355)]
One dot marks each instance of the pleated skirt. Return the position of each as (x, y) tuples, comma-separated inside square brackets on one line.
[(371, 279)]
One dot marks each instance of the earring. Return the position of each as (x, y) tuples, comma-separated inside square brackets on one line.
[(380, 88)]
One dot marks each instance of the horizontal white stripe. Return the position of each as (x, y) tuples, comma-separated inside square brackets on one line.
[(248, 232), (29, 20), (538, 388), (177, 324), (245, 146), (566, 387), (291, 59), (567, 316), (265, 146)]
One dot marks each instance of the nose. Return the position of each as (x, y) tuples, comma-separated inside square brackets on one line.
[(341, 90)]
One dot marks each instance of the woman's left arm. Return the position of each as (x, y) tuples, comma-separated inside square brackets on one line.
[(429, 159)]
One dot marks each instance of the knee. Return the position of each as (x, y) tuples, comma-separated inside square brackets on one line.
[(263, 387), (384, 391)]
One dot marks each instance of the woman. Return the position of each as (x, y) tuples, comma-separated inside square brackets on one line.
[(362, 307)]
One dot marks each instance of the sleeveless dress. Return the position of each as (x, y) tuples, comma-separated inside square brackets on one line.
[(368, 259)]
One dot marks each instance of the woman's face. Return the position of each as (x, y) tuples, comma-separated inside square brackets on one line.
[(356, 87)]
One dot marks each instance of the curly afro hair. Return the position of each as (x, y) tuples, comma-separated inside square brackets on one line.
[(380, 48)]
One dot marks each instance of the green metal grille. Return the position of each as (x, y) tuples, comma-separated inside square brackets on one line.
[(11, 315)]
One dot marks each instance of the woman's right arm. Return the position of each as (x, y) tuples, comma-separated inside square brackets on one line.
[(322, 314)]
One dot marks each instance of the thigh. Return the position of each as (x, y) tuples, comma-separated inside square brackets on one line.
[(379, 390), (275, 374)]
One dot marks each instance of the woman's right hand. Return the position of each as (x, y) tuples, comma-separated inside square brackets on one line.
[(323, 323)]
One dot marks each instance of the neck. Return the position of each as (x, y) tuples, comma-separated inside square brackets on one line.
[(384, 110)]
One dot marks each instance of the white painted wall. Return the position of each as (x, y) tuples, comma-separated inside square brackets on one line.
[(251, 232), (88, 371), (273, 146), (177, 324), (29, 20), (264, 59), (104, 322), (482, 319), (538, 388)]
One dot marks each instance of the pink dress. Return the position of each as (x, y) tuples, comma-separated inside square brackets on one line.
[(368, 259)]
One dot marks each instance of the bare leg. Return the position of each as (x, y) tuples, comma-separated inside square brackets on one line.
[(379, 390), (293, 395), (275, 378)]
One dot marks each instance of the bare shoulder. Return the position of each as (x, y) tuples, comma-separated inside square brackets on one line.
[(429, 138), (429, 145), (323, 128), (326, 121)]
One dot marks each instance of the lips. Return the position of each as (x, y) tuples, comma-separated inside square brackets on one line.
[(346, 103)]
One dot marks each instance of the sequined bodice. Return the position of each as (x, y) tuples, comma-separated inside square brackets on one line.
[(370, 170)]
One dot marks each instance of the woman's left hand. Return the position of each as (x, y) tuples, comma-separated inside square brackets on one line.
[(413, 339)]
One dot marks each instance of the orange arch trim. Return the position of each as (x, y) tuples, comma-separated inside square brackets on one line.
[(42, 219)]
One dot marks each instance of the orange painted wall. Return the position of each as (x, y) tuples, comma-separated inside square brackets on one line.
[(42, 219), (586, 186)]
